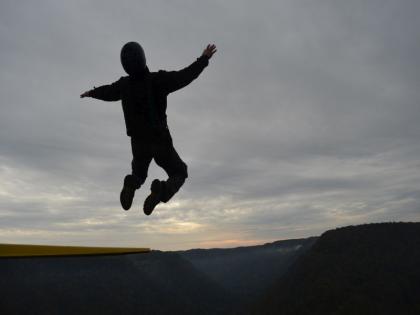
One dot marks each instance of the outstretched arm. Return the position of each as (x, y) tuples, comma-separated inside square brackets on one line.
[(110, 92), (175, 80)]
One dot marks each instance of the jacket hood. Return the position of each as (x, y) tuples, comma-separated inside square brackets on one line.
[(133, 59)]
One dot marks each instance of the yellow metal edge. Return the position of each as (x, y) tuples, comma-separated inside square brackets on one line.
[(27, 250)]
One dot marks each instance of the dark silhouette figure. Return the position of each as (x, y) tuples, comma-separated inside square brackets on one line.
[(143, 95)]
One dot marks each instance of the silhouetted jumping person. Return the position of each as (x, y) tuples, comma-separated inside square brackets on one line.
[(143, 95)]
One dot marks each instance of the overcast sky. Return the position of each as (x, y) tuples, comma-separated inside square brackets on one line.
[(306, 119)]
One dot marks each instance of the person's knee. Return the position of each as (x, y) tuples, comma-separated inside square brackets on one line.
[(180, 171), (184, 172)]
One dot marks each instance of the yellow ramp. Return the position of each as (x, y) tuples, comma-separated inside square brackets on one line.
[(21, 250)]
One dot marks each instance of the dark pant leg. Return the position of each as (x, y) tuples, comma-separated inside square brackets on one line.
[(142, 156), (167, 158)]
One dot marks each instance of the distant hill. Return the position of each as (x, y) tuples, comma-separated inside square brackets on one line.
[(153, 283), (246, 272), (366, 269)]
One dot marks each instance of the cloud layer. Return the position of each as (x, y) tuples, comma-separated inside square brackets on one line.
[(306, 119)]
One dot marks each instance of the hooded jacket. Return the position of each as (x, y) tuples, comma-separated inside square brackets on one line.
[(144, 98)]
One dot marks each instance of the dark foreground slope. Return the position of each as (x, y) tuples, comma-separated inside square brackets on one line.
[(367, 269), (154, 283)]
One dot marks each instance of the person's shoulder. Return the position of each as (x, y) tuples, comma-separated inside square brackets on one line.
[(123, 79), (159, 73), (159, 76)]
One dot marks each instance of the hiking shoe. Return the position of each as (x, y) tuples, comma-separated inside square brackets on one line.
[(154, 198), (127, 193)]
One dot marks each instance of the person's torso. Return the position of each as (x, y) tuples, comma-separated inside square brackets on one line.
[(144, 105)]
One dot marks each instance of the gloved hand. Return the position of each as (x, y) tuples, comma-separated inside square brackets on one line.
[(85, 94), (209, 50)]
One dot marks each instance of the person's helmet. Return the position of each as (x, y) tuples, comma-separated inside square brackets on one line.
[(133, 59)]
